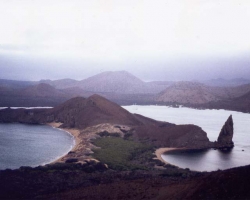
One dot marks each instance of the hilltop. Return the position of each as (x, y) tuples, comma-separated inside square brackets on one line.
[(82, 112), (187, 93), (121, 82), (193, 93)]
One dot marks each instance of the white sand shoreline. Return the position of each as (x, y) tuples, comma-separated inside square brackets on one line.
[(74, 132), (161, 151)]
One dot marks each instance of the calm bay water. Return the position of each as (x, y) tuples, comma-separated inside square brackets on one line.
[(31, 145), (211, 121)]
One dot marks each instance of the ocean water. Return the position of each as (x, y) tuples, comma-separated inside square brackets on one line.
[(31, 145), (42, 107), (211, 121)]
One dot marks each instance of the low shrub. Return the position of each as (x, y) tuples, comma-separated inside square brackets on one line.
[(122, 154)]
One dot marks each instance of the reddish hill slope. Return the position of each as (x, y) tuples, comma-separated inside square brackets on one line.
[(81, 113)]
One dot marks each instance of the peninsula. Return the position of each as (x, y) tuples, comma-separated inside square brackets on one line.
[(87, 118), (115, 151)]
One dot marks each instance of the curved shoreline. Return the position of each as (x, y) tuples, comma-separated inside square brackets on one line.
[(74, 132), (161, 151)]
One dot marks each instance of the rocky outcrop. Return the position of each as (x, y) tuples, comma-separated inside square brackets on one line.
[(226, 135)]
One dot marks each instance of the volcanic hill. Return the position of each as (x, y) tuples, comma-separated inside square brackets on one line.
[(120, 82), (194, 93), (81, 113), (187, 93)]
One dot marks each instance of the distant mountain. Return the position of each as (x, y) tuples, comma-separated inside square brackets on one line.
[(42, 90), (61, 83), (192, 93), (118, 86), (118, 82), (230, 92), (226, 83), (162, 83), (13, 84), (241, 104), (121, 82), (187, 93), (4, 89), (36, 95)]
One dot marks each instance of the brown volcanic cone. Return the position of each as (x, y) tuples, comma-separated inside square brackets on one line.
[(81, 113)]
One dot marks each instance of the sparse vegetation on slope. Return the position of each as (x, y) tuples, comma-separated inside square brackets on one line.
[(122, 154)]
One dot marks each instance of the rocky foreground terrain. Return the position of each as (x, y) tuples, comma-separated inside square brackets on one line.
[(73, 182)]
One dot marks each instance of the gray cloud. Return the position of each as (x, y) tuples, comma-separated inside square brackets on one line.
[(36, 68), (163, 40)]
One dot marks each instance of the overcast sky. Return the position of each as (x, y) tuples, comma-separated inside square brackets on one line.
[(153, 39)]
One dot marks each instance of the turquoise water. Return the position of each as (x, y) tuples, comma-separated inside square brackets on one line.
[(31, 145)]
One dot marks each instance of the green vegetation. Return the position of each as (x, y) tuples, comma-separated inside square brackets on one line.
[(106, 134), (122, 154)]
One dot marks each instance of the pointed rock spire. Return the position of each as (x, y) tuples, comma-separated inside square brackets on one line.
[(226, 134)]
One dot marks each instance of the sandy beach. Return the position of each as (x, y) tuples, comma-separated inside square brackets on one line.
[(74, 132), (78, 146), (83, 146), (160, 151)]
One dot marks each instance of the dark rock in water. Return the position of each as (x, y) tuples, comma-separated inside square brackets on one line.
[(226, 134)]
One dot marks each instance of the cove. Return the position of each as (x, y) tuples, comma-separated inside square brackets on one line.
[(211, 121), (31, 145)]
